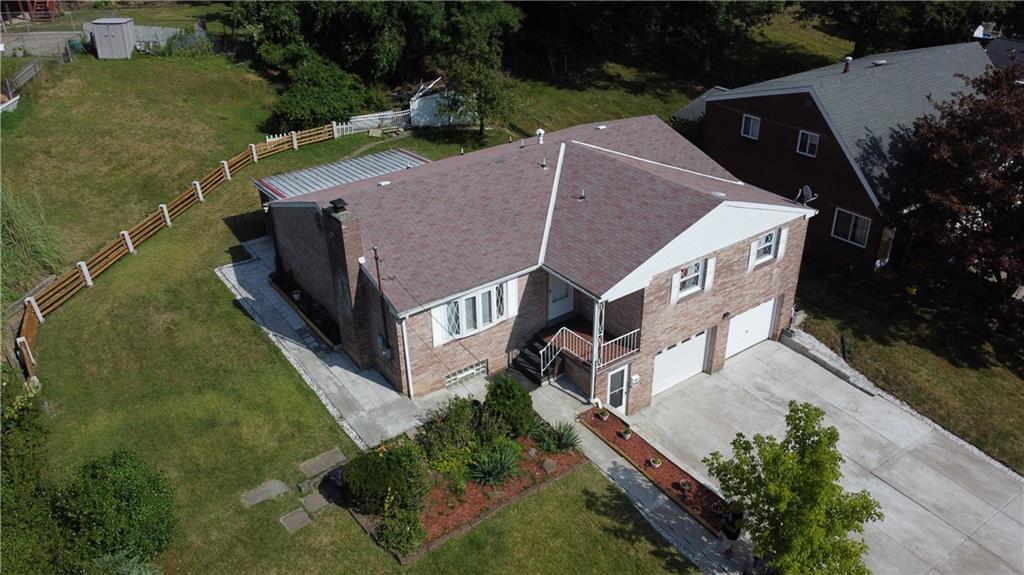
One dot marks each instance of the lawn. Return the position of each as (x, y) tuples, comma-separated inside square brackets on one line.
[(936, 352)]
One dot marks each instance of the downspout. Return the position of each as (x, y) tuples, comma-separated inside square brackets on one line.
[(598, 335), (408, 362)]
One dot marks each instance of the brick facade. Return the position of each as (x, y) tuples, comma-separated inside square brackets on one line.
[(771, 162)]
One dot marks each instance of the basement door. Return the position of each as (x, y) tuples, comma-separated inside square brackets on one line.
[(679, 362), (750, 327)]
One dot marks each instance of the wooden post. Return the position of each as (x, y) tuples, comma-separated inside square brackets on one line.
[(26, 351), (167, 215), (227, 171), (199, 190), (128, 241), (255, 156), (334, 129), (295, 140), (85, 273), (31, 302)]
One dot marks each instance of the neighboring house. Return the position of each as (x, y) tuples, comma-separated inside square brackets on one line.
[(1005, 52), (837, 130), (694, 111), (621, 234)]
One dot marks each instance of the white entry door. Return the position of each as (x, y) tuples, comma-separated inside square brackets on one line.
[(750, 327), (618, 389), (559, 297), (679, 362)]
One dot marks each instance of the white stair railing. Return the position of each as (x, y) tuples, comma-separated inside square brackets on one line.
[(565, 340)]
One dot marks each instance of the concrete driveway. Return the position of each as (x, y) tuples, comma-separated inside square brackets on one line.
[(948, 510)]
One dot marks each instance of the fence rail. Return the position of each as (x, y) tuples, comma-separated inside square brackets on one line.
[(356, 124), (620, 347), (26, 73), (46, 300)]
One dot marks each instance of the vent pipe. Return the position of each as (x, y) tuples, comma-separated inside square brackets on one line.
[(846, 65), (540, 135)]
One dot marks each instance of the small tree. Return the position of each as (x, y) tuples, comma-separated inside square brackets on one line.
[(511, 403), (796, 513)]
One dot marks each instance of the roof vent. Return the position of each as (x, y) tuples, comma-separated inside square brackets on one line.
[(718, 194), (544, 163), (879, 62), (540, 135), (339, 204), (601, 127), (846, 64), (383, 183), (582, 196)]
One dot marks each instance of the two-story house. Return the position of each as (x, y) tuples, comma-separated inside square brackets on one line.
[(620, 252), (838, 130)]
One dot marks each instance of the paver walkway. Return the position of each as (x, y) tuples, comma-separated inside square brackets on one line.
[(362, 401)]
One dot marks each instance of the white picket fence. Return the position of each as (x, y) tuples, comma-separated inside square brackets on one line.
[(356, 124)]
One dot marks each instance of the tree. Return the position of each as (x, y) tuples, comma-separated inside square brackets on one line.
[(796, 513), (705, 29), (475, 83), (961, 192), (319, 92)]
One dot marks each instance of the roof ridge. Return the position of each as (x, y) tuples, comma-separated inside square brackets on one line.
[(656, 163)]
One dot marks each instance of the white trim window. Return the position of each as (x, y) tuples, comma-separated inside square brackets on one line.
[(750, 127), (851, 228), (693, 277), (807, 144), (768, 246), (474, 312)]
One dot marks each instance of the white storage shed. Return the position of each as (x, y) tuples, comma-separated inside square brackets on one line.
[(114, 38)]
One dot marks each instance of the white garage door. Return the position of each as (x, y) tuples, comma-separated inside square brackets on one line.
[(679, 362), (750, 327)]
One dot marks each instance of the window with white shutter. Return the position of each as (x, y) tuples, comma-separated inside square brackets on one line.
[(475, 312)]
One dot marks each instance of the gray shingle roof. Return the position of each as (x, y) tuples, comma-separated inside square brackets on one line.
[(871, 103), (308, 180), (694, 111)]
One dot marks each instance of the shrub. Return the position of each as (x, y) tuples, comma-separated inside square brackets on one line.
[(394, 473), (187, 44), (560, 438), (538, 428), (319, 92), (30, 246), (497, 464), (118, 503), (490, 427), (510, 402), (123, 563), (402, 531), (451, 426)]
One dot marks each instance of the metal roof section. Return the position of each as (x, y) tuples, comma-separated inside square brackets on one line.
[(308, 180)]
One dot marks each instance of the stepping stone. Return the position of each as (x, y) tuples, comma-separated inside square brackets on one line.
[(314, 502), (295, 520), (267, 490), (323, 463)]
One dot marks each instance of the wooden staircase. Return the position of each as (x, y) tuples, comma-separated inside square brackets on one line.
[(43, 10)]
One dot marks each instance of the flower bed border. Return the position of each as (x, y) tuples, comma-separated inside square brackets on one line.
[(369, 526), (585, 419)]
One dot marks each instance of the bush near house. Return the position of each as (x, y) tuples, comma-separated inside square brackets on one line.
[(393, 476), (511, 403)]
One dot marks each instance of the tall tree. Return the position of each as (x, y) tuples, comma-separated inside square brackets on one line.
[(705, 29), (962, 191), (475, 82), (797, 515)]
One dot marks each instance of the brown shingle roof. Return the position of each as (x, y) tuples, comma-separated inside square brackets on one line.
[(451, 225)]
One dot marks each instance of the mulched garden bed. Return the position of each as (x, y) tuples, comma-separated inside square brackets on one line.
[(446, 514), (702, 503)]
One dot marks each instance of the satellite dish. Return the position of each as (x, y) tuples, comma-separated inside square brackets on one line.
[(979, 32), (805, 195)]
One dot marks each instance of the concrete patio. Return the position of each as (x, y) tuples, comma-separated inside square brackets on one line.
[(949, 509), (362, 401)]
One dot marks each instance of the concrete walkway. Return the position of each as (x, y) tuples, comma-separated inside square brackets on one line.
[(362, 401), (680, 529), (950, 510)]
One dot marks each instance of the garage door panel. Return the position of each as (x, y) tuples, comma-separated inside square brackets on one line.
[(750, 327), (679, 362)]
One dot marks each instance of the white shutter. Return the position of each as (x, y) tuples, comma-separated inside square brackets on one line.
[(439, 321), (783, 237), (512, 297), (709, 274), (753, 255), (675, 288)]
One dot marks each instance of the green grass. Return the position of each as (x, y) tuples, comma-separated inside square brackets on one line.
[(169, 14), (939, 356)]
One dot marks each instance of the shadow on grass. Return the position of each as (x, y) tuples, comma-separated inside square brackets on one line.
[(758, 59), (628, 526), (245, 227)]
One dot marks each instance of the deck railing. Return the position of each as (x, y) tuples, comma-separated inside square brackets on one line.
[(566, 340), (620, 347)]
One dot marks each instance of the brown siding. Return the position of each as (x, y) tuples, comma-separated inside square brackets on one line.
[(771, 162)]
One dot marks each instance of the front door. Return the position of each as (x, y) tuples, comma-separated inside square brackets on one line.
[(618, 389), (559, 297)]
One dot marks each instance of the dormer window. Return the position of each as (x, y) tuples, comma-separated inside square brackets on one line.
[(807, 144), (751, 127)]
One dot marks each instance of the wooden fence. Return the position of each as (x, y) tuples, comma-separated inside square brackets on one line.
[(46, 300)]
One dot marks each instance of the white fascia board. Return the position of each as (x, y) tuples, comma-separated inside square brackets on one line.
[(824, 114), (723, 226), (427, 306)]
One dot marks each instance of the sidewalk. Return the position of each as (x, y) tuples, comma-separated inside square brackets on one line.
[(675, 525)]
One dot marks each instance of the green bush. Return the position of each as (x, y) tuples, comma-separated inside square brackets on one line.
[(118, 503), (510, 402), (497, 464), (560, 438), (123, 563), (319, 92), (448, 438), (402, 531), (490, 427), (187, 44), (394, 475)]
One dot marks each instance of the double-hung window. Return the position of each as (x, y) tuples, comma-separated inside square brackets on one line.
[(751, 127), (767, 246), (693, 277), (473, 312), (850, 227), (807, 144)]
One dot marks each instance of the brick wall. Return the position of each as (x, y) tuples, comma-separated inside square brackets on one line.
[(431, 364), (735, 290), (302, 251)]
